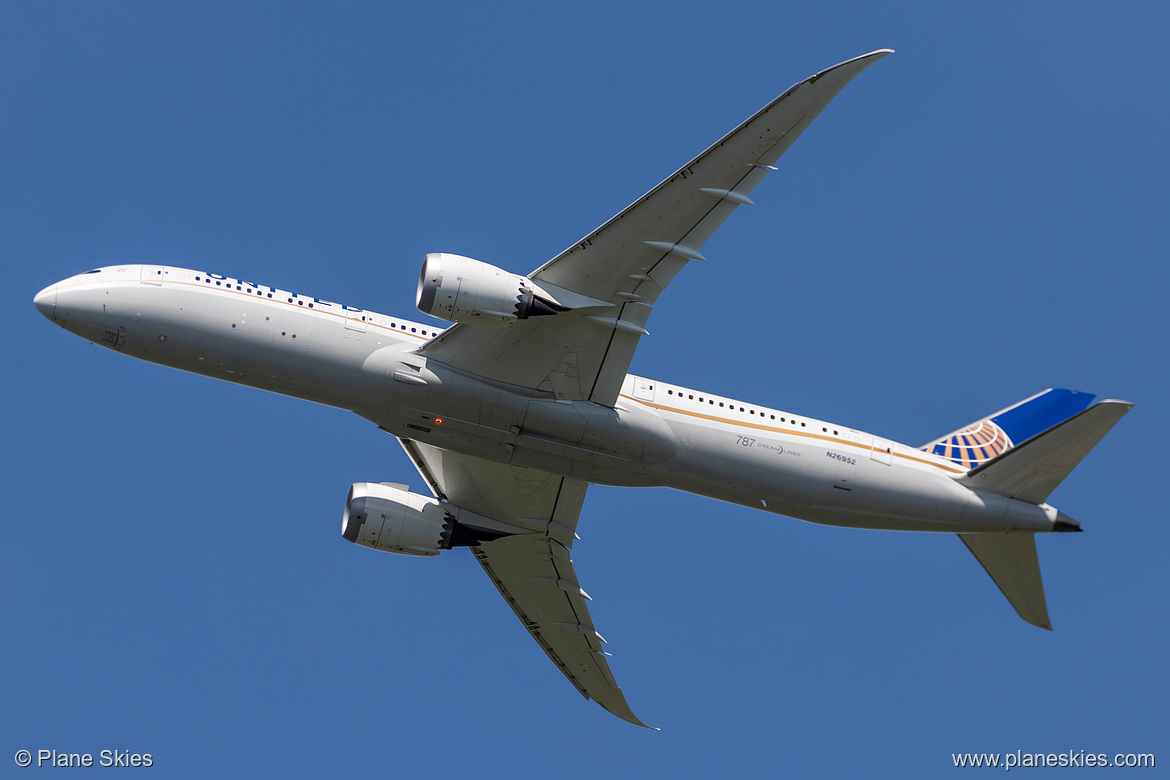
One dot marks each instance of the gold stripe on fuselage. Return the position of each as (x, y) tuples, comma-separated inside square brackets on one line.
[(789, 431)]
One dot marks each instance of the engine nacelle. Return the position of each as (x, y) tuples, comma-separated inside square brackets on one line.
[(460, 289), (385, 518)]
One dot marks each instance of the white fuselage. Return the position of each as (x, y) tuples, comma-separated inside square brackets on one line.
[(656, 434)]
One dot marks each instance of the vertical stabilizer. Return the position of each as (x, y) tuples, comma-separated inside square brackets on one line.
[(992, 436), (1011, 561)]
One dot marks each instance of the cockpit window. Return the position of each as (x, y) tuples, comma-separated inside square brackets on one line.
[(94, 271)]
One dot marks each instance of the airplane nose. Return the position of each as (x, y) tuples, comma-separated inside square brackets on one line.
[(46, 301)]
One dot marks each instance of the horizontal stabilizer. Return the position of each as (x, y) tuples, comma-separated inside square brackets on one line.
[(1011, 561), (1032, 470)]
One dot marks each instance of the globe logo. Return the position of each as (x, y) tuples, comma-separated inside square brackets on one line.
[(973, 446)]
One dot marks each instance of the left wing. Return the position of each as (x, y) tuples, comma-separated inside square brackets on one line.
[(611, 278), (535, 576), (532, 570)]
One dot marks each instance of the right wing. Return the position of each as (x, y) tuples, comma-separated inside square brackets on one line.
[(531, 566), (612, 277)]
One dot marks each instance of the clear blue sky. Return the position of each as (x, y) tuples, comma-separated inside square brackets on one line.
[(978, 217)]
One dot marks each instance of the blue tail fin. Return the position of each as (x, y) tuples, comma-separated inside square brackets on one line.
[(992, 436)]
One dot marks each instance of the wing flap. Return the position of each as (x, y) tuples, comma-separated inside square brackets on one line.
[(516, 498)]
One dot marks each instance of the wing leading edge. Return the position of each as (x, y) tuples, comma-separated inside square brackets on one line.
[(615, 274), (531, 566)]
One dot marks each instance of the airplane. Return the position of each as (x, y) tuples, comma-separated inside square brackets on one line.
[(509, 414)]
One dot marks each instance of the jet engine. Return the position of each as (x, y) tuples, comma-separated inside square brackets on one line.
[(460, 289), (385, 518)]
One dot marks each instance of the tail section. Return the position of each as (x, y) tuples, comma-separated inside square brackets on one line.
[(992, 436), (1024, 452)]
